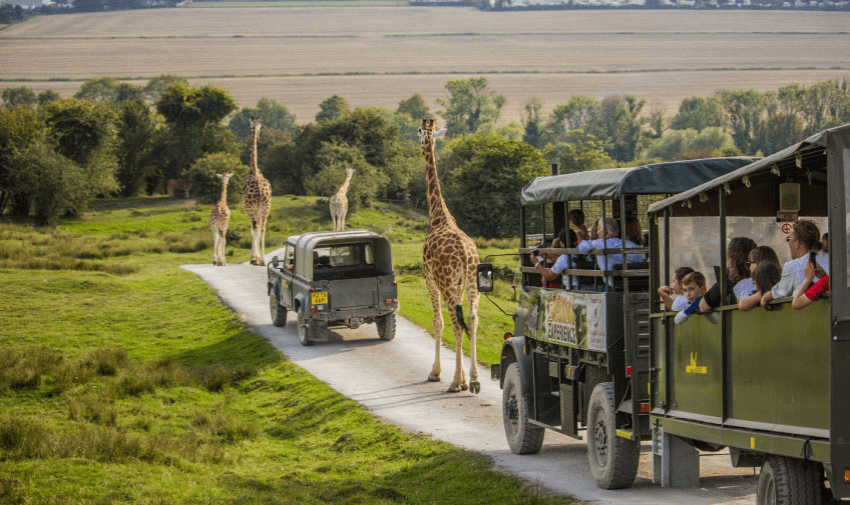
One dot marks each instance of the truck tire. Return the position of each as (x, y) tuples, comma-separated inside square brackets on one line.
[(613, 459), (789, 481), (523, 437), (277, 311), (303, 330), (386, 326)]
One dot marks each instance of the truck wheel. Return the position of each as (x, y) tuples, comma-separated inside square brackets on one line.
[(302, 332), (613, 459), (788, 481), (278, 311), (386, 326), (523, 437)]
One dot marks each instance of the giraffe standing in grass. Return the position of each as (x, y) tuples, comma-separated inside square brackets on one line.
[(257, 195), (339, 202), (450, 257), (219, 218)]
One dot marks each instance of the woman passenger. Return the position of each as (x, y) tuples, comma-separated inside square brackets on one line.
[(761, 255), (803, 244), (738, 272)]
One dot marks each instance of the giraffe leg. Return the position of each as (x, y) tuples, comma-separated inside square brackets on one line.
[(262, 245), (221, 244), (459, 381), (474, 298), (342, 220), (215, 245), (438, 328)]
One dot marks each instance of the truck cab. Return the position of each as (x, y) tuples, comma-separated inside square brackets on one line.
[(334, 279)]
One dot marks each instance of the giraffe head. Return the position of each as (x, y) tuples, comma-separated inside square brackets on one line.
[(349, 171), (255, 126), (225, 176), (427, 133)]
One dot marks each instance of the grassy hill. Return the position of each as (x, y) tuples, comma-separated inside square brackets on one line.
[(124, 380)]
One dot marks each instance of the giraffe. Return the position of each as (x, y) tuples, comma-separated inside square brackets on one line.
[(450, 257), (257, 195), (219, 218), (339, 202)]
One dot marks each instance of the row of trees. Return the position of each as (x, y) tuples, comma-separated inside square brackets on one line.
[(113, 137)]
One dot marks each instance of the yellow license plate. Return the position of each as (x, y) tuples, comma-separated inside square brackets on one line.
[(319, 298)]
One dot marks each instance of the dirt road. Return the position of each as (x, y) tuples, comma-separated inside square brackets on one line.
[(389, 379)]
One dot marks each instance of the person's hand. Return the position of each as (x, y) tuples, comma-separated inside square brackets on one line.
[(765, 300), (665, 290), (819, 271), (809, 271)]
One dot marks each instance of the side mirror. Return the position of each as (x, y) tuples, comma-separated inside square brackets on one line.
[(275, 261), (484, 275)]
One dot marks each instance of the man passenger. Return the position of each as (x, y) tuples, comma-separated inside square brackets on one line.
[(608, 239)]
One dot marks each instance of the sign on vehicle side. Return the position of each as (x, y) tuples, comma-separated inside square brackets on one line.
[(577, 320)]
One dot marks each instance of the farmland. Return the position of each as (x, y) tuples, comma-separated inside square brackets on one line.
[(381, 55)]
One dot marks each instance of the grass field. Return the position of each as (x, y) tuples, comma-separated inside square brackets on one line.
[(380, 55), (123, 379)]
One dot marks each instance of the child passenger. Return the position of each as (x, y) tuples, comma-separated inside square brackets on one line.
[(693, 286), (673, 296)]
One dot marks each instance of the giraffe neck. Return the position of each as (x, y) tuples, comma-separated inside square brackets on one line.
[(254, 136), (223, 198), (438, 213), (344, 188)]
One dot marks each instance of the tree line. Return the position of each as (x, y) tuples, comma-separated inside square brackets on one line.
[(115, 138)]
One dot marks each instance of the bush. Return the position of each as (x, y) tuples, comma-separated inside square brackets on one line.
[(207, 187)]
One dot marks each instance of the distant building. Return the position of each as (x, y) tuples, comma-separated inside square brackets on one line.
[(27, 4)]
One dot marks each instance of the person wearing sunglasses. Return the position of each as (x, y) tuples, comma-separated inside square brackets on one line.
[(803, 244)]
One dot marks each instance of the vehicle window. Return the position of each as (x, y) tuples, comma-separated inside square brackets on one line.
[(694, 243), (289, 256), (369, 254), (337, 256), (767, 231)]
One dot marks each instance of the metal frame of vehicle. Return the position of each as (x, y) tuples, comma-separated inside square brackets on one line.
[(773, 386), (563, 377)]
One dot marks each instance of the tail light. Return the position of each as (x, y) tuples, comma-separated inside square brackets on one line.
[(507, 335)]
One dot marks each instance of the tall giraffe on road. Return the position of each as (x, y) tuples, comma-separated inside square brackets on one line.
[(450, 258), (339, 202), (257, 195)]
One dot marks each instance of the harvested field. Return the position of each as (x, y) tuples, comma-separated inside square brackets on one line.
[(381, 55)]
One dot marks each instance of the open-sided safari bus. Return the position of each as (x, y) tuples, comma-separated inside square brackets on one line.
[(773, 386), (580, 357)]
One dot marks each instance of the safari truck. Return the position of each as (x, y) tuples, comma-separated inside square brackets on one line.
[(578, 362), (334, 279), (771, 385)]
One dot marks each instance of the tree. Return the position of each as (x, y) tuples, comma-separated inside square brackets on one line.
[(331, 108), (156, 86), (182, 104), (47, 96), (578, 152), (745, 111), (578, 114), (52, 184), (494, 170), (137, 135), (22, 96), (85, 133), (98, 89), (414, 107), (689, 144), (697, 113), (18, 129), (532, 123), (470, 106), (271, 114), (206, 187)]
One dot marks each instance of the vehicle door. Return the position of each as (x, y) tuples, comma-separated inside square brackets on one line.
[(288, 274)]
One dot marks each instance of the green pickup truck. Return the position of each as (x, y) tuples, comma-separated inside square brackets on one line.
[(334, 279)]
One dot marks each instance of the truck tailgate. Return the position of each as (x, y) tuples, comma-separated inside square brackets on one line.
[(350, 293)]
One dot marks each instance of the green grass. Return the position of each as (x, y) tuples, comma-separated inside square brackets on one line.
[(124, 380)]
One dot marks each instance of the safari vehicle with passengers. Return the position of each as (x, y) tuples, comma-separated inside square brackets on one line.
[(770, 383), (579, 358), (334, 279)]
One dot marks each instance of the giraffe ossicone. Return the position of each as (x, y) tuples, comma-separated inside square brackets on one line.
[(257, 196), (450, 258), (339, 203)]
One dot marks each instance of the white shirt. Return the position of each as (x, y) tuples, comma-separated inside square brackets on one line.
[(680, 303), (793, 275)]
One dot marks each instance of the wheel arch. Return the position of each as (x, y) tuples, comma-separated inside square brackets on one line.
[(514, 351)]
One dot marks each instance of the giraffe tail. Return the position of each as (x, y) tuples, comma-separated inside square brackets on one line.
[(459, 313)]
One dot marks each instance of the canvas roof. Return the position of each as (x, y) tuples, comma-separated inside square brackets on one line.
[(839, 135), (652, 179)]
